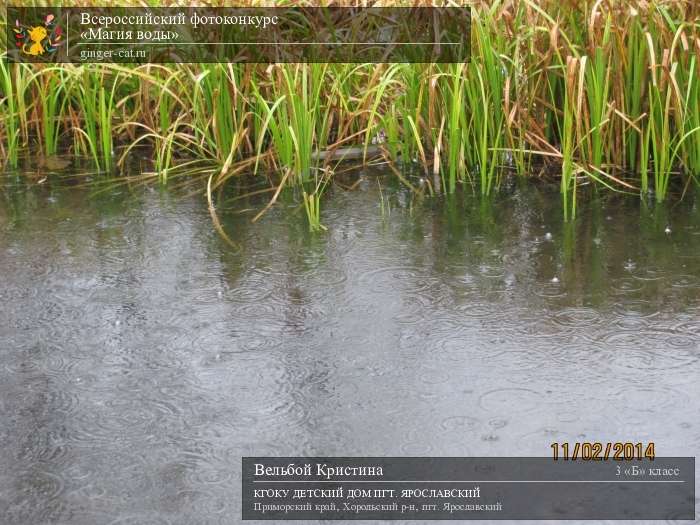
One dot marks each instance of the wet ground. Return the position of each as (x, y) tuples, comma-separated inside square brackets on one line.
[(141, 356)]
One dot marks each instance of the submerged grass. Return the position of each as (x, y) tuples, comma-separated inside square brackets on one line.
[(603, 94)]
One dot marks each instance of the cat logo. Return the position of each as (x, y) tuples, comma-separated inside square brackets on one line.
[(38, 40)]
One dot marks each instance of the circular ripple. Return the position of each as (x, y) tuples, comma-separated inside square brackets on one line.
[(542, 327), (481, 310), (414, 310), (550, 290), (326, 277), (120, 419), (38, 487), (686, 281), (492, 271), (627, 285), (510, 400), (649, 274), (652, 349), (460, 424), (52, 360), (266, 314), (689, 327), (50, 446), (578, 317), (405, 278), (434, 376), (223, 339), (255, 286), (416, 448), (632, 399)]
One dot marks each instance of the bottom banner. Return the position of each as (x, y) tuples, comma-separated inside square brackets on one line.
[(467, 488)]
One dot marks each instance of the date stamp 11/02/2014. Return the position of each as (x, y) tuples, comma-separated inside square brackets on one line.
[(598, 451)]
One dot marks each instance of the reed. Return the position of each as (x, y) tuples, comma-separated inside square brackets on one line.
[(485, 91), (572, 106), (455, 126), (10, 121), (601, 94), (688, 78), (634, 80), (597, 78), (293, 117), (219, 108), (51, 99), (95, 92), (312, 202)]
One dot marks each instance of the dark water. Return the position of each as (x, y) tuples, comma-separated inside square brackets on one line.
[(141, 356)]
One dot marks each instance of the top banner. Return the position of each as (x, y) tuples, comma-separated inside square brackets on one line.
[(227, 34)]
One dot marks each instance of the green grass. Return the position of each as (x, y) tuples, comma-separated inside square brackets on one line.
[(312, 203), (96, 98), (10, 118), (574, 70)]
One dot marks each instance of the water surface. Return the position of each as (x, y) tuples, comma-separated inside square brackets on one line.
[(141, 356)]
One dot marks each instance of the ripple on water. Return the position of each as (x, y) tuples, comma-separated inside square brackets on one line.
[(651, 273), (648, 399), (460, 424), (434, 375), (652, 349), (630, 322), (266, 395), (46, 312), (196, 502), (689, 327), (415, 444), (45, 445), (158, 357), (221, 338), (33, 492), (627, 285), (686, 281), (255, 286), (265, 314), (118, 470), (492, 351), (327, 276), (636, 308), (299, 309), (308, 372), (481, 310), (504, 401), (550, 289), (123, 419), (408, 279), (284, 415), (17, 294), (492, 270), (205, 473), (413, 310), (580, 317), (540, 327), (412, 345)]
